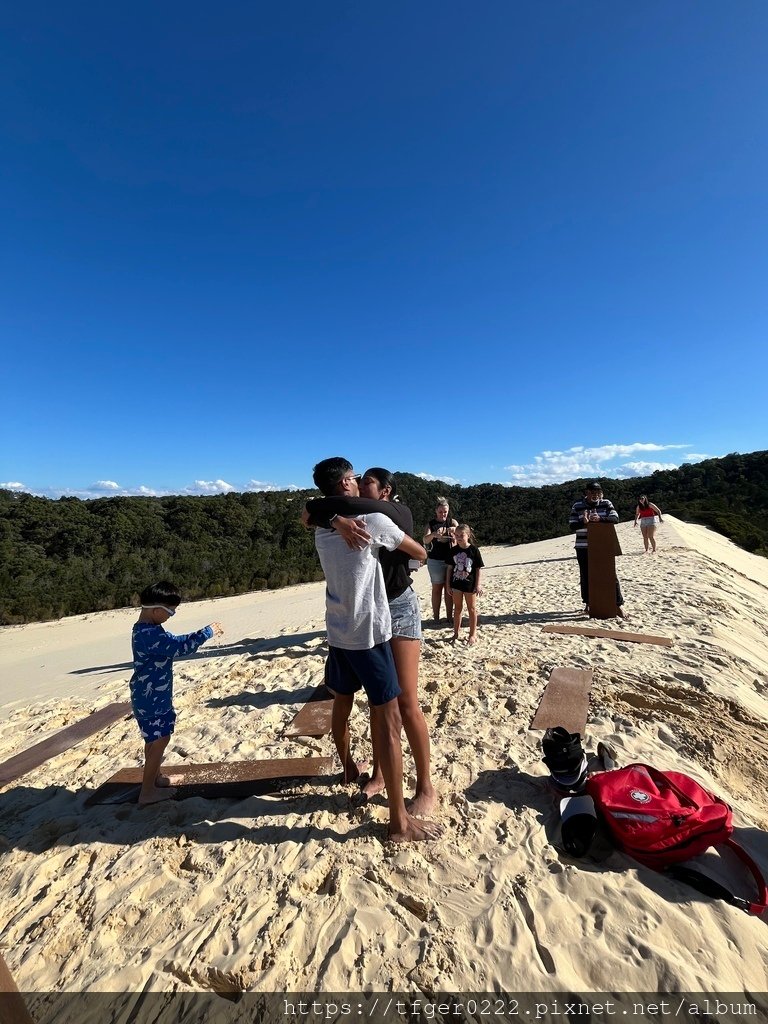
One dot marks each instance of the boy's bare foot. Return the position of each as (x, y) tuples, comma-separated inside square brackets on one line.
[(168, 780), (157, 795), (417, 831), (422, 803)]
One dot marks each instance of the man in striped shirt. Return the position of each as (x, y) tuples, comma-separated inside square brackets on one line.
[(592, 508)]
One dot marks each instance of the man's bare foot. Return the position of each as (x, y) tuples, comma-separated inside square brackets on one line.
[(156, 795), (417, 831), (621, 613), (168, 780), (422, 803)]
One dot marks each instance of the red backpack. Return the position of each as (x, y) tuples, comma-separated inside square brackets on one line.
[(663, 818)]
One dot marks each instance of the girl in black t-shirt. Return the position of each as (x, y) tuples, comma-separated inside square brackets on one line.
[(462, 579)]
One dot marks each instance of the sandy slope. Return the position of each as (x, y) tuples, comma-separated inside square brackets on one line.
[(300, 892)]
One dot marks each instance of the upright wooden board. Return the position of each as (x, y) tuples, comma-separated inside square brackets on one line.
[(217, 779), (314, 719), (610, 634), (565, 700), (602, 549), (24, 762), (13, 1009)]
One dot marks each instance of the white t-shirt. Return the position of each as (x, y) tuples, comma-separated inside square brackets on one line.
[(356, 607)]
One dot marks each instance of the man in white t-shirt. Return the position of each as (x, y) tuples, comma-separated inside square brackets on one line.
[(359, 630)]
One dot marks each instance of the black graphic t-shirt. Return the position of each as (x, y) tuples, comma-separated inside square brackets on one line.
[(464, 563)]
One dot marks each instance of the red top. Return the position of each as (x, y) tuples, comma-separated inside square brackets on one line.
[(647, 512)]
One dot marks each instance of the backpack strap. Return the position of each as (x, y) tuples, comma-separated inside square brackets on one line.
[(710, 887)]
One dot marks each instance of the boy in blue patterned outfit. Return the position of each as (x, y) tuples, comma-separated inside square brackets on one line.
[(152, 681)]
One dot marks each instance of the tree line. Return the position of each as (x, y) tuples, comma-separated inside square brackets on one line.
[(69, 556)]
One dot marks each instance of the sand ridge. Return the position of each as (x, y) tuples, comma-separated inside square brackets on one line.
[(300, 892)]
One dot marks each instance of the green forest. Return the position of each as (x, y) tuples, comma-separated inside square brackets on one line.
[(69, 556)]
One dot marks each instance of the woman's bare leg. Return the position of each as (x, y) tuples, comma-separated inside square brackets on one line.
[(651, 531), (644, 531), (437, 594), (407, 653)]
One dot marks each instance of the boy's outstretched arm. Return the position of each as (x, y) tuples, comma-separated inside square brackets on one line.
[(171, 645)]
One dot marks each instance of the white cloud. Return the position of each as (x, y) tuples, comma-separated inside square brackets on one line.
[(554, 467), (698, 456), (13, 485), (441, 479), (105, 485), (262, 485), (644, 468), (210, 487), (146, 492)]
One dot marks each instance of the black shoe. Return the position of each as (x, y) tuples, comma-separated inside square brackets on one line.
[(563, 752)]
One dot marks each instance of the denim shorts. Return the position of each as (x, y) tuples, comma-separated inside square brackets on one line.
[(372, 670), (436, 568), (406, 615)]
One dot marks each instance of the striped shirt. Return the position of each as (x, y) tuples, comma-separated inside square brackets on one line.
[(604, 509)]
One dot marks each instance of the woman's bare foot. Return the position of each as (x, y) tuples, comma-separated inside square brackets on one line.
[(156, 795), (372, 787), (422, 803), (472, 641), (353, 770), (417, 831)]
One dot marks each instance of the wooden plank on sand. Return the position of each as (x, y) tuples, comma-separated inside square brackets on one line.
[(33, 757), (13, 1009), (610, 634), (217, 779), (565, 700), (314, 719)]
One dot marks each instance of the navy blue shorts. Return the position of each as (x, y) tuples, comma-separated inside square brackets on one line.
[(153, 725), (372, 670)]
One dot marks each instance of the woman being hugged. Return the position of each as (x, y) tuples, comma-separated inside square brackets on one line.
[(440, 534), (377, 494), (648, 515), (462, 579)]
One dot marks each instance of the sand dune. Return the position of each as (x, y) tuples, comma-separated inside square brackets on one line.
[(299, 891)]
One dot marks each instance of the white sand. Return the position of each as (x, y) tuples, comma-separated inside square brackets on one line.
[(299, 892)]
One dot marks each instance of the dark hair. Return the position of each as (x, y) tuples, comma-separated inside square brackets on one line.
[(329, 472), (643, 500), (161, 593), (385, 478)]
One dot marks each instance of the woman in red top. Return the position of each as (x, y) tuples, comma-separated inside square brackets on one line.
[(648, 515)]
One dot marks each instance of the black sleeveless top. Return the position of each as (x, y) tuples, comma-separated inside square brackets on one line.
[(440, 549)]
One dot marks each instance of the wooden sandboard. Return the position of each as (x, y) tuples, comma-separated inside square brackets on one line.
[(24, 762), (217, 779), (610, 634), (314, 719), (13, 1009), (565, 700), (603, 547)]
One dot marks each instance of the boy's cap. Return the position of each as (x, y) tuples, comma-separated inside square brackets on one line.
[(594, 486)]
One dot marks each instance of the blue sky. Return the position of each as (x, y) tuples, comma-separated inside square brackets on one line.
[(510, 242)]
